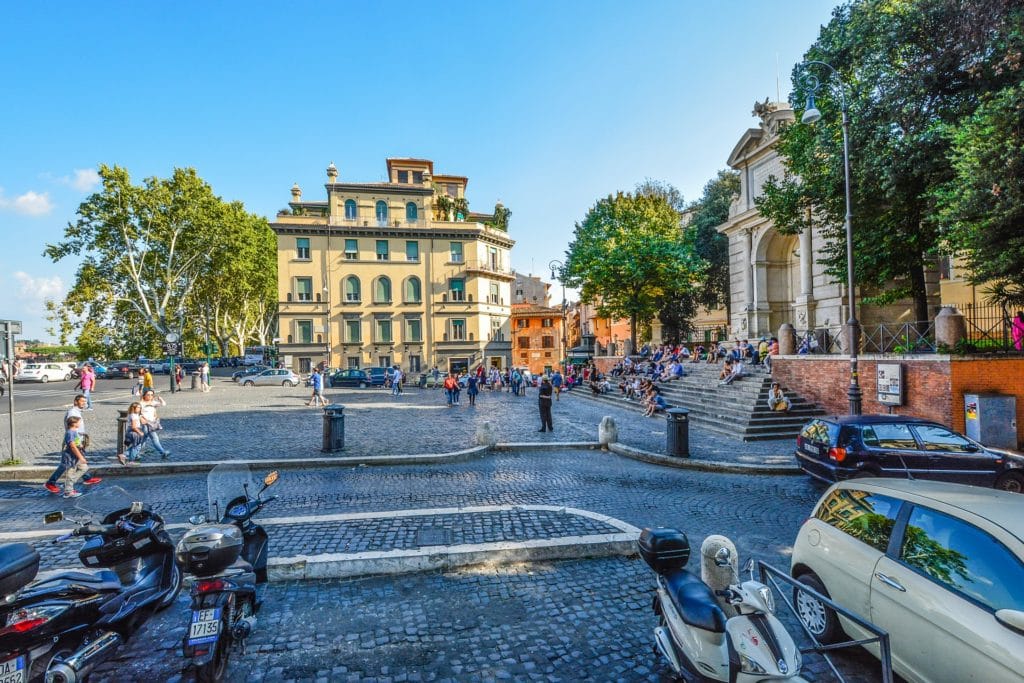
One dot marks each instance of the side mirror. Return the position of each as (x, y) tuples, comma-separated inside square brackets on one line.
[(1012, 619), (270, 479), (197, 519), (723, 557), (51, 517), (971, 448)]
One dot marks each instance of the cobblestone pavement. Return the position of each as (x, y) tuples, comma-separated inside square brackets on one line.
[(572, 620), (272, 423)]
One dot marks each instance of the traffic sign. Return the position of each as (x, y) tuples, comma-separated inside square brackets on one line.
[(10, 326)]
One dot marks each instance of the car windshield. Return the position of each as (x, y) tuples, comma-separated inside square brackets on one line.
[(225, 483), (98, 504)]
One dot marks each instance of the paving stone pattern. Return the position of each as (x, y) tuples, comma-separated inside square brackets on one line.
[(233, 422)]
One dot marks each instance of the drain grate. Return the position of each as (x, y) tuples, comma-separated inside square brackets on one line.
[(433, 535)]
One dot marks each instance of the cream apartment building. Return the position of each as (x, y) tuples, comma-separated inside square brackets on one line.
[(396, 272)]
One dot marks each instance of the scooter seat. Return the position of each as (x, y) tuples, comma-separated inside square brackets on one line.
[(695, 601), (101, 580)]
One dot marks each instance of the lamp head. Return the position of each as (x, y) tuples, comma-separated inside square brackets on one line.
[(811, 113)]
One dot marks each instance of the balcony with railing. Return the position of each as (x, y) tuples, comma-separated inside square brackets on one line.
[(495, 271)]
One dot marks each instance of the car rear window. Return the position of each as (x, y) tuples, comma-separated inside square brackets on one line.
[(888, 435), (866, 516), (819, 431)]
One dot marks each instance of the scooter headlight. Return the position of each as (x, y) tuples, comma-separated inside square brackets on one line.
[(749, 666), (765, 593)]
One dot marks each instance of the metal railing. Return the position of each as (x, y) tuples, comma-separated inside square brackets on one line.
[(904, 338), (770, 576), (989, 327)]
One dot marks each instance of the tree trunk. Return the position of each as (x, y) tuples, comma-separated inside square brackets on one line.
[(919, 293), (632, 332)]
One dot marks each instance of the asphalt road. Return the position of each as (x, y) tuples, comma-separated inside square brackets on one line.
[(32, 396)]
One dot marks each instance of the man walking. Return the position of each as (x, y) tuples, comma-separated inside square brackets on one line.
[(89, 479), (544, 404), (449, 388), (556, 383), (317, 380), (396, 381)]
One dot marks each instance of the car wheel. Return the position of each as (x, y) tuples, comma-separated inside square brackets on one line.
[(362, 385), (67, 377), (44, 379), (131, 375), (1012, 482), (820, 619), (248, 383)]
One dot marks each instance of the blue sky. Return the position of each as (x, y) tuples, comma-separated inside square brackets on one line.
[(546, 106)]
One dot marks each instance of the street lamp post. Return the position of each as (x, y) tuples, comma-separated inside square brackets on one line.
[(557, 265), (811, 114)]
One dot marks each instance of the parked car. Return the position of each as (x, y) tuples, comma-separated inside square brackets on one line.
[(349, 378), (379, 376), (939, 566), (98, 368), (274, 376), (122, 369), (254, 370), (43, 372), (836, 448)]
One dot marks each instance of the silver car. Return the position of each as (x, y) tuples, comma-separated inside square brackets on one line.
[(276, 377), (939, 566)]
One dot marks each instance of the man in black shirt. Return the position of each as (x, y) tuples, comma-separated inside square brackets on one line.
[(544, 403)]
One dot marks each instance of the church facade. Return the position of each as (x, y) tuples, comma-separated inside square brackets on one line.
[(776, 278)]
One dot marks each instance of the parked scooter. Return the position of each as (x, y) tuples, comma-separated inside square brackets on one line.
[(714, 627), (59, 628), (229, 562)]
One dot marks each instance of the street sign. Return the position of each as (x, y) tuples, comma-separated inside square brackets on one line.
[(10, 326), (171, 348)]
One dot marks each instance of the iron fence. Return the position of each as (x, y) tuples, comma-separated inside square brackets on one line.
[(989, 328), (901, 338)]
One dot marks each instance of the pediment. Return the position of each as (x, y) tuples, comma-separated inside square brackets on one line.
[(747, 145)]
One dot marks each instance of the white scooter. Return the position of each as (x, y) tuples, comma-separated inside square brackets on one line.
[(714, 627)]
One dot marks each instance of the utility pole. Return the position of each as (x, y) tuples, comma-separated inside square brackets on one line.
[(9, 328)]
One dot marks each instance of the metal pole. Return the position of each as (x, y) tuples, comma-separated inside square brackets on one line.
[(853, 326), (9, 352)]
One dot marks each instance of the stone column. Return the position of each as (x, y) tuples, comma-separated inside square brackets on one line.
[(950, 327), (787, 340), (806, 264), (748, 275)]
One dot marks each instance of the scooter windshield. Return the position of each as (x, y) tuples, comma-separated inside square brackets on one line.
[(225, 483), (96, 505)]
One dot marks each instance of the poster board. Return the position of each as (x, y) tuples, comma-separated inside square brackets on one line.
[(890, 384)]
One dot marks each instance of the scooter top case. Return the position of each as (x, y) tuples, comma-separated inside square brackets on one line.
[(19, 564), (664, 550)]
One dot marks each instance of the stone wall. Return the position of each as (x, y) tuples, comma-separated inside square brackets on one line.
[(934, 385)]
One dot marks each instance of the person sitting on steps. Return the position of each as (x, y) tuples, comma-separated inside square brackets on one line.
[(778, 400), (736, 373)]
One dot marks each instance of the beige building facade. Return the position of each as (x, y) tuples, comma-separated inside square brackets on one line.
[(776, 278), (393, 273)]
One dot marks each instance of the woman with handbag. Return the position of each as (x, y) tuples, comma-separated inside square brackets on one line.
[(151, 421), (134, 436)]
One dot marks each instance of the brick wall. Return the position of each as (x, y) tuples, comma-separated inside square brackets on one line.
[(934, 385)]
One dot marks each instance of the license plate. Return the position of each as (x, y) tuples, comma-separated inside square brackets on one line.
[(13, 670), (204, 627)]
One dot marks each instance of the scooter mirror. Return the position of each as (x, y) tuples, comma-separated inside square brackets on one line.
[(749, 566), (723, 557), (197, 519), (270, 479), (51, 517)]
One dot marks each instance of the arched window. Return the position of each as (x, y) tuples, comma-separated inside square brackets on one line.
[(350, 208), (382, 292), (410, 211), (352, 288), (382, 212), (413, 292)]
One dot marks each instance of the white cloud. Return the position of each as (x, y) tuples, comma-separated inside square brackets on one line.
[(39, 289), (29, 204), (85, 180)]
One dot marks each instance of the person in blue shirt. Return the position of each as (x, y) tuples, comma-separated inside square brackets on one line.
[(317, 380), (556, 383)]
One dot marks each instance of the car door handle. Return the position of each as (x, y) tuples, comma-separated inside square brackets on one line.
[(890, 582)]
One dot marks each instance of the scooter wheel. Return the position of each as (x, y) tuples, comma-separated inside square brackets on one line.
[(213, 671)]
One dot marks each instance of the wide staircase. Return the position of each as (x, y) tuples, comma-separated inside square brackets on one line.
[(739, 409)]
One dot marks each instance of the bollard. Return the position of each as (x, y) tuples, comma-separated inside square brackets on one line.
[(122, 427), (334, 428), (607, 431), (678, 436), (195, 381)]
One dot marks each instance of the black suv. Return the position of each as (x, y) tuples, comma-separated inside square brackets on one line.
[(834, 448)]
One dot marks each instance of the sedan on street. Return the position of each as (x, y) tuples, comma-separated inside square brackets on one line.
[(43, 372), (238, 375), (350, 377), (837, 448), (275, 377), (938, 566)]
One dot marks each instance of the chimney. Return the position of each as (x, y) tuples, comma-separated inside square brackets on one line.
[(332, 173), (296, 193)]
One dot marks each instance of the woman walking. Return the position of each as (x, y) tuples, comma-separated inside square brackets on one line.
[(472, 383), (88, 383), (544, 404), (151, 421), (204, 377), (1018, 331)]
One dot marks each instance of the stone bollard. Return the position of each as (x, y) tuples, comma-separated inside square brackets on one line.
[(950, 327), (485, 435), (787, 340), (122, 428), (607, 431)]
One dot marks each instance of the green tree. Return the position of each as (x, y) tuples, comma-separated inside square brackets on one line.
[(910, 68), (983, 206), (708, 212), (626, 253)]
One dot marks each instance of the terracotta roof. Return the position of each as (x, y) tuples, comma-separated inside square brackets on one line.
[(533, 309)]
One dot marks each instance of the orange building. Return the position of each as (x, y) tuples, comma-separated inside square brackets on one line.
[(537, 341)]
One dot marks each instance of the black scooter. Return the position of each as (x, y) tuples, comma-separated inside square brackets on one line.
[(229, 563), (60, 628)]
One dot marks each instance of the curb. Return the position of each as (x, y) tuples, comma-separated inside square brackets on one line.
[(701, 465)]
